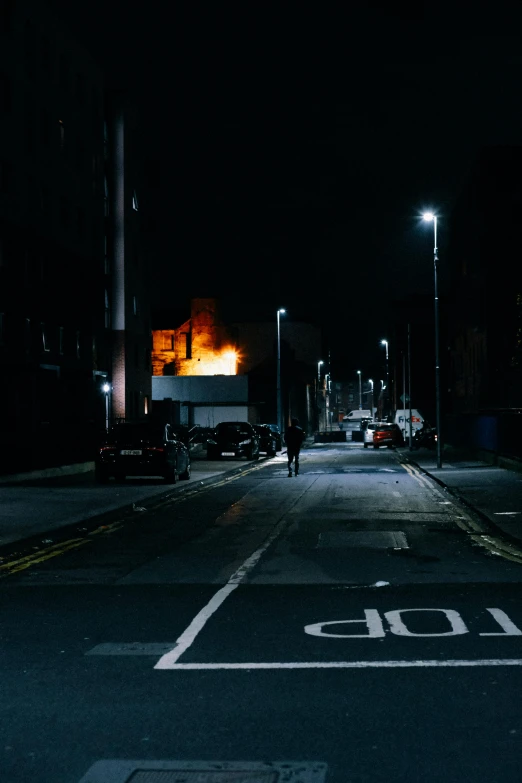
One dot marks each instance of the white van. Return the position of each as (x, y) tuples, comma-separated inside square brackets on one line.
[(355, 416), (402, 418)]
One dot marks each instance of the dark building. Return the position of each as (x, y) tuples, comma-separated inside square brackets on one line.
[(485, 286), (67, 245)]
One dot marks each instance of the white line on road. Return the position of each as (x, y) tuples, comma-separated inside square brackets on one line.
[(506, 513), (350, 664), (168, 660)]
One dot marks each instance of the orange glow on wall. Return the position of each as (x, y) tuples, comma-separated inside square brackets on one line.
[(200, 346)]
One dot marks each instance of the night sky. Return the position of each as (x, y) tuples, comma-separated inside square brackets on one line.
[(289, 149)]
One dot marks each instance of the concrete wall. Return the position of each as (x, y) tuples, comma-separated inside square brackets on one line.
[(209, 415), (201, 389)]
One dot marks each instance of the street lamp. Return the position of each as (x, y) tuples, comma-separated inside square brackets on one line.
[(317, 398), (360, 389), (281, 311), (106, 388), (431, 218), (371, 395), (385, 343)]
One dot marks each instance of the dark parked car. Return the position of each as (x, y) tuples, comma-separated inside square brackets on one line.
[(277, 432), (386, 434), (142, 449), (267, 439), (233, 439)]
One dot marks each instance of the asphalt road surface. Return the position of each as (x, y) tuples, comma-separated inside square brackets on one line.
[(347, 625)]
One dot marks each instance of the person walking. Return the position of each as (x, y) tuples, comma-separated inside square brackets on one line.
[(294, 437)]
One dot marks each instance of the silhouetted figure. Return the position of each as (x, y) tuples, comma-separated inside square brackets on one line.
[(294, 437)]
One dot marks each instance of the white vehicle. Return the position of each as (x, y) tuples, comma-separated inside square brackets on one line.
[(356, 415), (368, 427), (402, 418)]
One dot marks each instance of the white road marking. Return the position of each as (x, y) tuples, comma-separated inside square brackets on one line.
[(506, 513), (397, 494), (168, 660), (351, 664), (387, 470)]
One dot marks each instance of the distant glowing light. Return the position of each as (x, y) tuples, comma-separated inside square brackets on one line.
[(428, 216)]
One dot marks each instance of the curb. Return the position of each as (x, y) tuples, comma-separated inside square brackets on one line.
[(506, 543)]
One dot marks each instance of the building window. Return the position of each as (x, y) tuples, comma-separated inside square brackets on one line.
[(168, 342), (188, 346), (61, 340), (106, 264), (63, 71), (27, 335), (6, 177), (61, 134), (44, 127), (107, 311), (80, 222), (134, 201), (45, 338), (64, 213), (6, 97), (80, 88), (80, 156), (6, 16), (135, 305), (146, 405), (45, 54), (77, 345)]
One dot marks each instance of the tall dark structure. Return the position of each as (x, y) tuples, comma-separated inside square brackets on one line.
[(485, 286), (58, 171)]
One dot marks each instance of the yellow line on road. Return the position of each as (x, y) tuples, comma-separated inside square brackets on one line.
[(21, 563)]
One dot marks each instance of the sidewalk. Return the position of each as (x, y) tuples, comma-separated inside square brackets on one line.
[(45, 506), (492, 492)]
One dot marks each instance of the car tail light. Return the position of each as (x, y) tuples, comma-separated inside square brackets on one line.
[(107, 448), (155, 449)]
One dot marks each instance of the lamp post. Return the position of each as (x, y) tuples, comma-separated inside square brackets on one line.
[(106, 388), (317, 396), (387, 387), (281, 311), (371, 395), (431, 218), (360, 389)]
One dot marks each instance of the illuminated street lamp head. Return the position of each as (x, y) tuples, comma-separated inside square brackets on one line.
[(428, 216), (281, 310), (358, 372), (384, 342), (106, 388)]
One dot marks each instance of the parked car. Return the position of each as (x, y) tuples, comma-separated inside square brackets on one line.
[(142, 449), (267, 439), (387, 434), (277, 432), (368, 428), (233, 439), (426, 438)]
